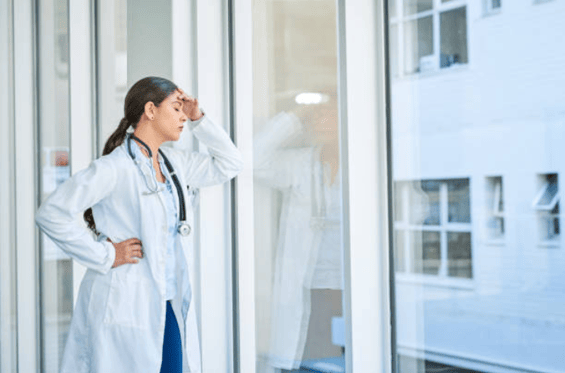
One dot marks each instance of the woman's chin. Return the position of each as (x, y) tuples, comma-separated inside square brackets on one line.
[(175, 136)]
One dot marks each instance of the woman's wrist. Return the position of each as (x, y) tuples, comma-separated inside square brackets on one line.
[(198, 116)]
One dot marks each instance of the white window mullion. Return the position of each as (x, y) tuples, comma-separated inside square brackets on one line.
[(437, 33), (365, 231), (245, 233), (406, 232), (419, 15), (444, 210)]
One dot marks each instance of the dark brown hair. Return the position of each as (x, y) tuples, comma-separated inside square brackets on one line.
[(148, 89)]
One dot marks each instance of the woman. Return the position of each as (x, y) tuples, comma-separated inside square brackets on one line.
[(136, 290)]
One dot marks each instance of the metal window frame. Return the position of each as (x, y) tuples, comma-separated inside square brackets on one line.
[(8, 289), (25, 181)]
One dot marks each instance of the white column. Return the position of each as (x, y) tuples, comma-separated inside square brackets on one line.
[(245, 237), (214, 216), (81, 123), (364, 154)]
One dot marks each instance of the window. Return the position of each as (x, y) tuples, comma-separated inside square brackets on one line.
[(433, 228), (492, 6), (546, 203), (494, 208), (298, 249), (417, 45)]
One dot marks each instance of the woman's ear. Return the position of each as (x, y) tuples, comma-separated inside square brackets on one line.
[(150, 110)]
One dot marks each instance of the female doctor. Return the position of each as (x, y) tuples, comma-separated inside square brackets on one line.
[(134, 311)]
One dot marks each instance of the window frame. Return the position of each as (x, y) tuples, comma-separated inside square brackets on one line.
[(400, 20), (443, 228), (489, 8), (494, 193), (544, 213), (361, 27)]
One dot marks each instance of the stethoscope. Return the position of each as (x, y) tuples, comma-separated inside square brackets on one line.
[(183, 227)]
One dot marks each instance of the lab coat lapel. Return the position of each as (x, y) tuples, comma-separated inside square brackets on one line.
[(152, 210)]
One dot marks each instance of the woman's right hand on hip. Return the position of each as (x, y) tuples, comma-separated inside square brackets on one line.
[(127, 251)]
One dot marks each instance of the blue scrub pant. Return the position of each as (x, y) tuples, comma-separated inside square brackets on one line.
[(172, 345)]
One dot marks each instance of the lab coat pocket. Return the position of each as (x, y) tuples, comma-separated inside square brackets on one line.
[(128, 301)]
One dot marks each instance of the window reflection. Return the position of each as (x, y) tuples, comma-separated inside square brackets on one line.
[(297, 190), (427, 36)]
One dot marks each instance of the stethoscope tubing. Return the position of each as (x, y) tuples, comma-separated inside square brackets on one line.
[(183, 227)]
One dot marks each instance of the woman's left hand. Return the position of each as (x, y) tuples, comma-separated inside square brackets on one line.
[(190, 106)]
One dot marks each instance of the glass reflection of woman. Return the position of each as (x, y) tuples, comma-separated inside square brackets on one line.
[(137, 289), (298, 154)]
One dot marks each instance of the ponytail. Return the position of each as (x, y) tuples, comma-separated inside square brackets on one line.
[(116, 139)]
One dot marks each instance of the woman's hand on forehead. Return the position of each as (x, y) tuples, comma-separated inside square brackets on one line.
[(190, 105)]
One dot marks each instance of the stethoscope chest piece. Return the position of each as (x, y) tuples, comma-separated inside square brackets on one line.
[(184, 229)]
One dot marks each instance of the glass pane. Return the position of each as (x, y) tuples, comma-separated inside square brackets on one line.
[(417, 6), (57, 270), (418, 45), (459, 205), (485, 287), (550, 191), (399, 189), (394, 68), (392, 8), (425, 251), (453, 37), (112, 66), (459, 255), (424, 203), (400, 251), (297, 188)]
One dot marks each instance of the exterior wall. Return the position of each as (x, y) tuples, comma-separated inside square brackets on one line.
[(502, 114)]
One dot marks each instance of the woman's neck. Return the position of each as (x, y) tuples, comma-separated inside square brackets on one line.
[(145, 134)]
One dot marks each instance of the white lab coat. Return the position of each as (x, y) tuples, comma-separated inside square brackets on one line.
[(119, 319), (296, 172)]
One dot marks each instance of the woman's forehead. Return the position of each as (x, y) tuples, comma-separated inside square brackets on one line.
[(175, 96)]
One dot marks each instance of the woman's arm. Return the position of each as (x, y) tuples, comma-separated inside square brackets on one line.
[(60, 215), (223, 162), (274, 165)]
